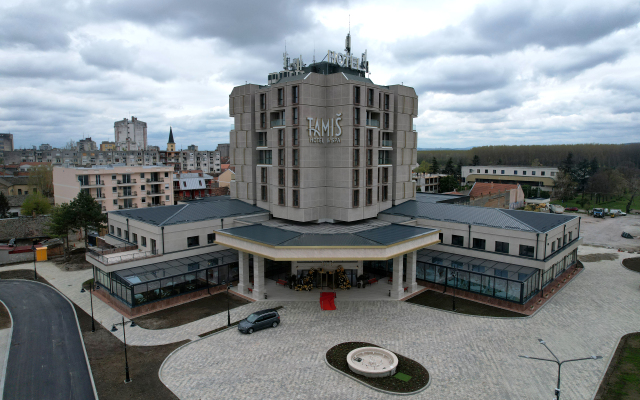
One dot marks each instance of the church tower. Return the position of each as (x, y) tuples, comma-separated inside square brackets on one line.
[(171, 145)]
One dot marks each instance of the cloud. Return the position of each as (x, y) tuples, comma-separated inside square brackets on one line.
[(110, 54), (510, 25), (487, 101)]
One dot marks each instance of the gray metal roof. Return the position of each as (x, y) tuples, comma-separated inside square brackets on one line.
[(191, 212), (385, 235), (435, 197), (481, 216)]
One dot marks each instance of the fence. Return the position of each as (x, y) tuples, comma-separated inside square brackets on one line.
[(119, 259)]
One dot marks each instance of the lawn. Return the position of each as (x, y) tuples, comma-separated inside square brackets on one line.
[(191, 311), (619, 203), (622, 380), (463, 306), (337, 358)]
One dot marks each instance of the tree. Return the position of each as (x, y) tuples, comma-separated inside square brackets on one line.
[(448, 183), (632, 179), (565, 186), (36, 202), (458, 173), (4, 206), (88, 214), (41, 177), (63, 219), (476, 160), (434, 168), (499, 161), (581, 175), (70, 145), (423, 168), (567, 164), (593, 167), (449, 169)]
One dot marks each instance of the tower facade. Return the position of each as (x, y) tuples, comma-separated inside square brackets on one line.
[(171, 145), (130, 135), (323, 143)]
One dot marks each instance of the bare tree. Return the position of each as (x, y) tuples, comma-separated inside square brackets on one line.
[(71, 145)]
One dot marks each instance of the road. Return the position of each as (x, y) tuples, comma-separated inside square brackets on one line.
[(46, 357)]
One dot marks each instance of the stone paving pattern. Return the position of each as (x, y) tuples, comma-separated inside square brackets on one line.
[(468, 357)]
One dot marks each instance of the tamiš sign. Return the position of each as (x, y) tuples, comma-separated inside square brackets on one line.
[(331, 127)]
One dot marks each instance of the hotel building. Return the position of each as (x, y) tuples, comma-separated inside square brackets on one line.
[(323, 163)]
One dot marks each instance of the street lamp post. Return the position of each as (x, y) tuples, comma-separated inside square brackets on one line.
[(455, 283), (35, 273), (557, 361), (93, 324), (124, 333), (228, 309)]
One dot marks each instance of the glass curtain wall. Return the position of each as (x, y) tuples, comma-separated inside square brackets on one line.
[(148, 283), (510, 282), (559, 267)]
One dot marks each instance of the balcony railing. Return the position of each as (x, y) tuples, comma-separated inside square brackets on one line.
[(155, 192), (98, 196), (277, 122), (414, 128), (121, 182), (150, 180), (128, 194), (387, 143), (373, 122), (233, 127), (262, 142), (106, 258), (92, 183), (265, 160), (384, 160)]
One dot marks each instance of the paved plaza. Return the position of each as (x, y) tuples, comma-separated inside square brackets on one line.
[(468, 357)]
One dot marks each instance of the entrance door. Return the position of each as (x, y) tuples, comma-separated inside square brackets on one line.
[(153, 247)]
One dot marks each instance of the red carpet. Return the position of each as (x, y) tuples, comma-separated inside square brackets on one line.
[(326, 300)]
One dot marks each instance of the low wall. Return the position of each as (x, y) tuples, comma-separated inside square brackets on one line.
[(6, 258)]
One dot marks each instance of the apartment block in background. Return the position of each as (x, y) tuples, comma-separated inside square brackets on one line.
[(116, 187)]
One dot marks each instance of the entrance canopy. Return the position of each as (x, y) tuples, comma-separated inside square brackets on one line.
[(324, 242)]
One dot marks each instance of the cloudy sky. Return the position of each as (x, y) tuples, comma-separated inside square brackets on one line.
[(487, 73)]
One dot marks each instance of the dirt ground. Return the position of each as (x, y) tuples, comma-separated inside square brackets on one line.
[(189, 312), (5, 319), (76, 262), (632, 263), (463, 306), (598, 257), (106, 356), (607, 231)]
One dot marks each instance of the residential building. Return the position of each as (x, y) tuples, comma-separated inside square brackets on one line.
[(45, 146), (116, 187), (16, 185), (107, 146), (192, 185), (427, 183), (225, 178), (130, 134), (86, 145), (26, 166), (543, 177), (497, 195), (223, 149), (6, 142)]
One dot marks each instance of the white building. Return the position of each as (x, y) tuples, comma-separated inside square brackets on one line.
[(544, 177)]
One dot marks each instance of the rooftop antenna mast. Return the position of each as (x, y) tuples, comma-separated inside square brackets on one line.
[(347, 43)]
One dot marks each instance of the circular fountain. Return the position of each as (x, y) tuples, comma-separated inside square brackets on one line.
[(372, 362)]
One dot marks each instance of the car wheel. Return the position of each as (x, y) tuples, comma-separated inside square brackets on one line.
[(274, 324), (250, 331)]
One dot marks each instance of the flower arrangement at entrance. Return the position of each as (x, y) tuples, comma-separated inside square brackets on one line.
[(307, 281), (343, 280)]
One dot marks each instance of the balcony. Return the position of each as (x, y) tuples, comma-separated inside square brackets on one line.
[(156, 179), (91, 184), (155, 192), (156, 205), (233, 127), (119, 254), (129, 182), (387, 143), (384, 160), (125, 195), (414, 128), (262, 142), (373, 122), (277, 122), (125, 207)]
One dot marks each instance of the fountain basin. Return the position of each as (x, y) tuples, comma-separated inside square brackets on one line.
[(372, 362)]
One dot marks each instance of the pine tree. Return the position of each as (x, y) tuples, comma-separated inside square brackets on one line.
[(435, 167), (63, 219), (4, 206), (88, 213), (476, 160), (449, 169), (593, 167)]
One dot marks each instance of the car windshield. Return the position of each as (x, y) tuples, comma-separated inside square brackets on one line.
[(252, 318), (597, 209)]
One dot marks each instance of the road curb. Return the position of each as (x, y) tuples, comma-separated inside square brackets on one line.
[(84, 349), (6, 358)]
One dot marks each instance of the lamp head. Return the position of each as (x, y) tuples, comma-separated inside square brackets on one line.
[(113, 328), (524, 356), (596, 357), (133, 324), (82, 290), (541, 341)]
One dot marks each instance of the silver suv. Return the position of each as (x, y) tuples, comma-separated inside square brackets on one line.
[(259, 320)]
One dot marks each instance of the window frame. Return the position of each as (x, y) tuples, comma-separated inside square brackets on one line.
[(193, 241), (457, 240)]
